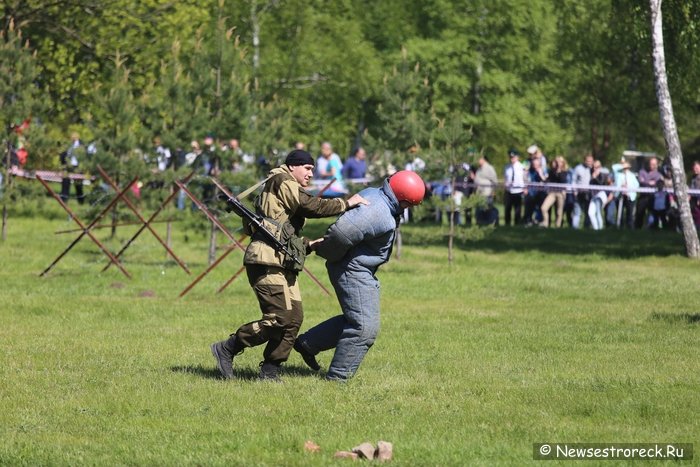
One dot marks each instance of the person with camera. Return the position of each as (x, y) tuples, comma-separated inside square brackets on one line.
[(285, 205)]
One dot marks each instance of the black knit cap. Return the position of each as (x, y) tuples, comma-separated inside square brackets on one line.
[(299, 157)]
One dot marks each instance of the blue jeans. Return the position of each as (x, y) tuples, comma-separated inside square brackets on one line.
[(611, 213), (353, 332)]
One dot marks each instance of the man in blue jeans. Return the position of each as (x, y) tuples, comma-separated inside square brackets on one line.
[(355, 246)]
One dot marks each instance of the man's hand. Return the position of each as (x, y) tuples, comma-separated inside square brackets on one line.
[(356, 200), (313, 244)]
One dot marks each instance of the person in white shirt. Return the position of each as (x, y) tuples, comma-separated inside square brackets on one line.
[(582, 176), (514, 175), (626, 179)]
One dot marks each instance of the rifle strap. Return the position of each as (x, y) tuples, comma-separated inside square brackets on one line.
[(252, 188)]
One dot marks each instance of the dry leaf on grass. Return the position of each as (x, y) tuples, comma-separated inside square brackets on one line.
[(310, 446)]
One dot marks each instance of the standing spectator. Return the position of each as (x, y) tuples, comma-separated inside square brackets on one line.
[(211, 157), (569, 198), (163, 155), (559, 173), (599, 177), (237, 156), (323, 161), (178, 158), (356, 166), (514, 187), (659, 208), (70, 160), (648, 178), (582, 177), (211, 166), (535, 152), (468, 188), (191, 160), (443, 191), (695, 199), (415, 165), (535, 195), (329, 166), (627, 181), (486, 181), (455, 206), (161, 161), (231, 156)]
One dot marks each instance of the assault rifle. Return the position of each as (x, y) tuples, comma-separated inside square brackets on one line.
[(256, 223)]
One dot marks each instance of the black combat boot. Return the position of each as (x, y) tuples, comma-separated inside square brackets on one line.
[(309, 358), (223, 353), (270, 372)]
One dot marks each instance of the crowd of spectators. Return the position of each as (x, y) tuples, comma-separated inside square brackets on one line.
[(587, 195), (212, 158), (534, 192)]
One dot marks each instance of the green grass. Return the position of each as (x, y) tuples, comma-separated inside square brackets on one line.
[(529, 336)]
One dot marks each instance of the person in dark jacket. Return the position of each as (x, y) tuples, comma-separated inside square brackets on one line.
[(70, 160), (354, 247), (558, 174)]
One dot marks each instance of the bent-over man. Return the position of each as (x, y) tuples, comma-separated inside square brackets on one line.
[(354, 247)]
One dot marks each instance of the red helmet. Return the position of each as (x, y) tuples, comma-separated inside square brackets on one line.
[(407, 186)]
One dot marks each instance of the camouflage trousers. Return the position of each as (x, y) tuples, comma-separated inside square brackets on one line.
[(278, 294)]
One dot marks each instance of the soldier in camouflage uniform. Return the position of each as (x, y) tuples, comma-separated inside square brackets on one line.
[(283, 202)]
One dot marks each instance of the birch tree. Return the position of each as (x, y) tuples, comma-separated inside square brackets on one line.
[(668, 121)]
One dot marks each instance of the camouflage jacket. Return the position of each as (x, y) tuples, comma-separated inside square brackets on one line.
[(284, 199)]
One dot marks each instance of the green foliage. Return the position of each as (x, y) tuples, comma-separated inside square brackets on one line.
[(218, 97), (404, 116), (572, 76), (493, 63), (611, 62), (17, 90), (450, 147), (20, 97), (117, 127)]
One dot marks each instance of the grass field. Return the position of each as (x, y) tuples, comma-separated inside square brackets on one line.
[(529, 336)]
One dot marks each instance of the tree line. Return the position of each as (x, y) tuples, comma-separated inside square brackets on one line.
[(452, 79)]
